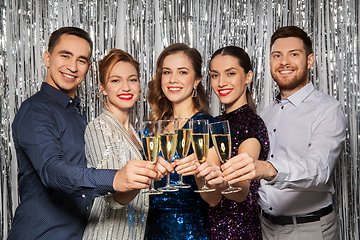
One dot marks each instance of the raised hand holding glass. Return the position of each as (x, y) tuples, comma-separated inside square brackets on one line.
[(200, 144), (183, 131), (150, 138), (168, 142), (220, 134)]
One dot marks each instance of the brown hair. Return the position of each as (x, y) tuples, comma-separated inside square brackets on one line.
[(244, 62), (109, 60), (55, 36), (160, 105), (293, 31)]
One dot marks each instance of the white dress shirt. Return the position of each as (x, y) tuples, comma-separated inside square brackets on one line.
[(306, 133)]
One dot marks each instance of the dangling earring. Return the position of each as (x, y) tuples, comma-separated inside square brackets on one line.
[(194, 93)]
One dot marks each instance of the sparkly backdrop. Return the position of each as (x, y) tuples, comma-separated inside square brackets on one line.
[(144, 28)]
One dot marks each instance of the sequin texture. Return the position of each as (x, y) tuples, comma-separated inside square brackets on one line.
[(178, 215), (230, 219)]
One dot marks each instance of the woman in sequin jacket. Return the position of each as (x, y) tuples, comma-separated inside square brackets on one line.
[(176, 92), (236, 216)]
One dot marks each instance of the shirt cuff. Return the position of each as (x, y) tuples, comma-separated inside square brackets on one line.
[(112, 203), (278, 181), (104, 181)]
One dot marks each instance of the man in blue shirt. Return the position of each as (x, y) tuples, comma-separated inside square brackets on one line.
[(55, 186)]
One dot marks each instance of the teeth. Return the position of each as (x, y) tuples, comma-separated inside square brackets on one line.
[(224, 91), (125, 96), (68, 76), (286, 71), (174, 89)]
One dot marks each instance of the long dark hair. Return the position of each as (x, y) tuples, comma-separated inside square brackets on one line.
[(244, 62)]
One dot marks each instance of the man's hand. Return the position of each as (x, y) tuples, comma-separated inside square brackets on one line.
[(136, 174), (243, 167)]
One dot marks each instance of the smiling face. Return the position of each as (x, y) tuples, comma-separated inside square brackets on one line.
[(178, 78), (228, 80), (122, 88), (289, 65), (68, 63)]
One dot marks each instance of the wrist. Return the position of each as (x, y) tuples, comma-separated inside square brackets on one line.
[(270, 172)]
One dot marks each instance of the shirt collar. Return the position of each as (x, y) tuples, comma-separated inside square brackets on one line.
[(62, 98), (297, 97)]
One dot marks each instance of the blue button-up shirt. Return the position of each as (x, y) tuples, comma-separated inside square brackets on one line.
[(55, 186)]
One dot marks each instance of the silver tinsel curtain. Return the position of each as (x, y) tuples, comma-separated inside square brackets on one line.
[(144, 28)]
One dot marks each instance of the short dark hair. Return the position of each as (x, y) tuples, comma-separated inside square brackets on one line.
[(55, 36), (293, 31)]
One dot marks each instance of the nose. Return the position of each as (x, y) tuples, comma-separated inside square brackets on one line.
[(285, 60), (125, 86), (222, 81), (72, 65), (173, 78)]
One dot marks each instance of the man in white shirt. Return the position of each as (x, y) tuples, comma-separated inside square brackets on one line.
[(306, 131)]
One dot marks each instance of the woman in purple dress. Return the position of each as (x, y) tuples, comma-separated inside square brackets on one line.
[(236, 216)]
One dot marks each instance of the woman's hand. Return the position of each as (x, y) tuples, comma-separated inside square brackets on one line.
[(186, 166), (163, 167), (212, 174)]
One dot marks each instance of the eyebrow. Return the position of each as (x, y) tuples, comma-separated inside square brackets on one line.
[(179, 68), (293, 50), (226, 70), (71, 54), (117, 76)]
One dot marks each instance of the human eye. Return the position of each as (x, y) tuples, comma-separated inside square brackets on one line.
[(231, 74), (183, 72), (114, 80), (82, 61), (214, 76), (65, 56), (134, 79), (276, 55), (294, 54), (166, 72)]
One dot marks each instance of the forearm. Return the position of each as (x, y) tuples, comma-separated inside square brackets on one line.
[(212, 198), (125, 197), (239, 196)]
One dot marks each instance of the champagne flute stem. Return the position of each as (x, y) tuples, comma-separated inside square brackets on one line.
[(152, 187), (205, 183), (168, 180)]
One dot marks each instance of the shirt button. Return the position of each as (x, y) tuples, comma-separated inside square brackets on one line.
[(270, 208), (272, 155), (274, 129), (282, 107), (70, 101), (83, 195)]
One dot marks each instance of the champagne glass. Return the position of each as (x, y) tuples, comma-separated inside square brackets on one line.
[(150, 139), (200, 144), (183, 131), (220, 134), (168, 141)]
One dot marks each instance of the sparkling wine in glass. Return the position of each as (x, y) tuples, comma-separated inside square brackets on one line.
[(183, 131), (168, 142), (220, 134), (150, 140), (200, 144)]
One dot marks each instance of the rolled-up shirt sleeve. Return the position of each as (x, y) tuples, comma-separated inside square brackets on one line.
[(323, 140)]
